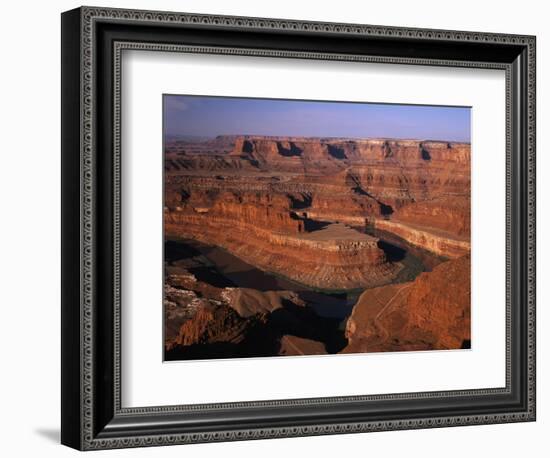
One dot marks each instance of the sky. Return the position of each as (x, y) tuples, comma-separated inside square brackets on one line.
[(207, 116)]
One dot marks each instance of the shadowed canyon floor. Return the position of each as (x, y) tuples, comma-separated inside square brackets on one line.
[(293, 246)]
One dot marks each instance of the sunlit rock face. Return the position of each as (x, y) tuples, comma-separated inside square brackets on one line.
[(430, 313), (265, 191), (204, 321), (314, 211)]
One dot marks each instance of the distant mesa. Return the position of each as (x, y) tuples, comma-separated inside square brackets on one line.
[(421, 186), (327, 215)]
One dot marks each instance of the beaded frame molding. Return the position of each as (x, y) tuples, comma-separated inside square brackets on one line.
[(92, 43)]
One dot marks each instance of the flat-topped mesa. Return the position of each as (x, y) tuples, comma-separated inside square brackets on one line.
[(288, 150), (307, 154), (417, 189), (334, 237), (395, 172), (286, 155), (265, 234), (419, 152)]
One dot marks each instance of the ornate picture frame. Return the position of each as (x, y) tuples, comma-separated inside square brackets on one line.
[(93, 416)]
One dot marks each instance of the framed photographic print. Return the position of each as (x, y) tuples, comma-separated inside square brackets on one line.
[(278, 228)]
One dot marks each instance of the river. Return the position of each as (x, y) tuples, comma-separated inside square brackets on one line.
[(216, 266)]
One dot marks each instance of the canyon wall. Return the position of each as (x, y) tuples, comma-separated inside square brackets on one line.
[(437, 242), (262, 197), (334, 257), (205, 321), (290, 185), (430, 313), (312, 210)]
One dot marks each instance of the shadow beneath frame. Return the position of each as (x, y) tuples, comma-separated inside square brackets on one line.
[(53, 435)]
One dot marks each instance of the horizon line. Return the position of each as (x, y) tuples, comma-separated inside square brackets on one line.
[(320, 137)]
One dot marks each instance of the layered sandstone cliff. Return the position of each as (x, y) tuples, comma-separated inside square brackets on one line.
[(301, 208), (332, 257), (204, 321), (438, 242), (421, 185), (430, 313)]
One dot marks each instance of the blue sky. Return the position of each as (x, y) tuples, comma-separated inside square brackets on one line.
[(207, 116)]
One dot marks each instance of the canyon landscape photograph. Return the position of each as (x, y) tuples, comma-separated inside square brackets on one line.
[(299, 227)]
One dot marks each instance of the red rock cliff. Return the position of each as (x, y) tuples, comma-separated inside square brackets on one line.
[(431, 313)]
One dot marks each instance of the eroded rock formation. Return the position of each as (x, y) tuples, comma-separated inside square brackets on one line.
[(206, 321), (439, 242), (266, 233), (430, 313), (286, 184), (312, 210)]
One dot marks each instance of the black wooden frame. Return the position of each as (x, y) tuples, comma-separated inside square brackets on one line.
[(92, 40)]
